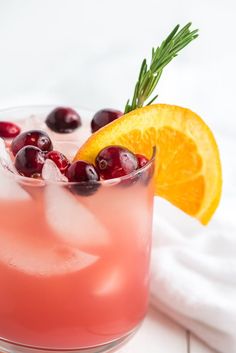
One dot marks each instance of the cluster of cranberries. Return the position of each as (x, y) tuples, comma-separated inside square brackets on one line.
[(32, 148)]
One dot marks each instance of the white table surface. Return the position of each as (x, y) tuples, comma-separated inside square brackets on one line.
[(159, 334)]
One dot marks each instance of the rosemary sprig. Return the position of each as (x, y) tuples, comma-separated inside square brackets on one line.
[(161, 56)]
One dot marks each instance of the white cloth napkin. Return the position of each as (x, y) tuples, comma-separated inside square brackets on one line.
[(193, 273)]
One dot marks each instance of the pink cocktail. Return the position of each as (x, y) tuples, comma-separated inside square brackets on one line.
[(74, 269)]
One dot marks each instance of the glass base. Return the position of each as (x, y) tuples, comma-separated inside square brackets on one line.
[(10, 347)]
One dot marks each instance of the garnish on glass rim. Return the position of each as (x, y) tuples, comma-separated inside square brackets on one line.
[(188, 169), (161, 56)]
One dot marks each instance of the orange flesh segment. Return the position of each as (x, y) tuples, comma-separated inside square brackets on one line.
[(188, 169)]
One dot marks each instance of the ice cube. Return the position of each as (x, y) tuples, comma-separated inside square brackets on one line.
[(50, 172), (42, 257), (33, 122), (72, 222), (110, 281), (9, 188), (5, 159)]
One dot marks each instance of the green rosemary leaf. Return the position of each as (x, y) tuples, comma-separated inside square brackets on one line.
[(161, 56)]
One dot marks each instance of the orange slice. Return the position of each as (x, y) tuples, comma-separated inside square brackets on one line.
[(188, 169)]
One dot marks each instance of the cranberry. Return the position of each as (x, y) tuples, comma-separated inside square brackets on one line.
[(104, 117), (115, 161), (86, 175), (59, 159), (29, 161), (63, 120), (142, 160), (35, 138), (8, 130)]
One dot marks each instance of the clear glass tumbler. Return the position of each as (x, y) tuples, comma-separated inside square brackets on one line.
[(74, 265)]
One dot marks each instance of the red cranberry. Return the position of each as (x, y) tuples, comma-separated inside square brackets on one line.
[(82, 171), (86, 175), (59, 159), (35, 138), (142, 160), (104, 117), (29, 161), (63, 120), (8, 130), (115, 161)]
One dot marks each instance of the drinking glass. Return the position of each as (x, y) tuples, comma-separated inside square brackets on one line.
[(74, 257)]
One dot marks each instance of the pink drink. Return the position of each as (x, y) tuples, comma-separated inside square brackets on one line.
[(74, 270)]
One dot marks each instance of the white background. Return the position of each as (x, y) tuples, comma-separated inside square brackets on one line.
[(87, 53)]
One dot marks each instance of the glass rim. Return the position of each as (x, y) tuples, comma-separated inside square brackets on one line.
[(105, 182), (42, 182)]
